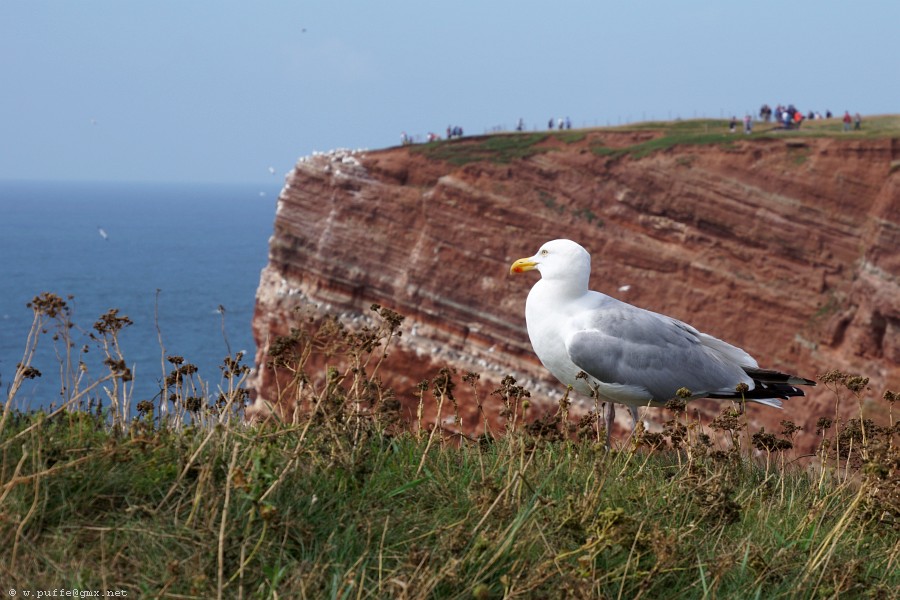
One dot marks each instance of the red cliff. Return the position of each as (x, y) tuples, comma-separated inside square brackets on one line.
[(784, 246)]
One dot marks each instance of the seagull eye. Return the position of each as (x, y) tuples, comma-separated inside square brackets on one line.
[(544, 252)]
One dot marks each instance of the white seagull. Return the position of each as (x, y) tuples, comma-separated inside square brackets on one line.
[(103, 233), (630, 355)]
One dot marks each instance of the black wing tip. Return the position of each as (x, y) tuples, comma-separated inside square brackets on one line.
[(762, 391), (768, 385), (770, 376)]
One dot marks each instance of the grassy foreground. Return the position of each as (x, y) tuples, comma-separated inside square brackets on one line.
[(344, 500)]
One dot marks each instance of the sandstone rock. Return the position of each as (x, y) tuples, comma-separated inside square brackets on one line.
[(787, 248)]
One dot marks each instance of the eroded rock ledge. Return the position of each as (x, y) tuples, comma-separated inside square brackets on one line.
[(785, 247)]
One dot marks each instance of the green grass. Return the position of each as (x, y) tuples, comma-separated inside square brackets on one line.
[(872, 126), (500, 148), (507, 147), (665, 142), (705, 132), (343, 499), (571, 136)]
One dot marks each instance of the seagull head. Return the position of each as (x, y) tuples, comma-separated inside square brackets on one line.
[(559, 259)]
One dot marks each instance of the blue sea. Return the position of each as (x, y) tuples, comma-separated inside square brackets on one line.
[(201, 245)]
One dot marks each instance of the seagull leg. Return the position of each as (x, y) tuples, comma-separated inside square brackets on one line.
[(634, 418), (610, 419)]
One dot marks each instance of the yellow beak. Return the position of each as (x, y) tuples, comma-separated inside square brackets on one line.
[(522, 265)]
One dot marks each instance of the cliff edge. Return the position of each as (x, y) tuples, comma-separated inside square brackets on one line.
[(783, 244)]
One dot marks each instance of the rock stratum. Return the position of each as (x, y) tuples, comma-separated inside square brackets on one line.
[(786, 246)]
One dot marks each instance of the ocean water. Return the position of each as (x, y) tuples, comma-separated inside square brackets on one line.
[(200, 245)]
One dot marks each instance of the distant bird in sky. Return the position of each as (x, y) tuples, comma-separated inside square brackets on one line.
[(271, 170), (103, 233)]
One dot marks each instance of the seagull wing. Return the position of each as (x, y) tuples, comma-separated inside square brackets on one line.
[(620, 344)]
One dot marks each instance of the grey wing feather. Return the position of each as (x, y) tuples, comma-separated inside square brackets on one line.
[(627, 345)]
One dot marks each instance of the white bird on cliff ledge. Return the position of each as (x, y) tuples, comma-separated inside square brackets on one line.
[(630, 355)]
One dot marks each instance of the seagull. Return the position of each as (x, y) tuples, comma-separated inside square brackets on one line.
[(103, 233), (627, 354)]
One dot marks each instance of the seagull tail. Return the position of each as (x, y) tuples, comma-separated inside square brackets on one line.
[(769, 387), (776, 377)]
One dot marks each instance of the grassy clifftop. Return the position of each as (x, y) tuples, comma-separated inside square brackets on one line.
[(350, 499), (660, 135)]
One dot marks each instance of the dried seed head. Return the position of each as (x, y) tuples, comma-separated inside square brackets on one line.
[(833, 376), (48, 304), (677, 405), (728, 420), (267, 511), (767, 442), (28, 372), (471, 378), (789, 428), (111, 322), (443, 383), (857, 384), (822, 424)]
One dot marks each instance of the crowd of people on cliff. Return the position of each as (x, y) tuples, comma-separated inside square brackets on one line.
[(784, 116), (559, 123), (453, 131), (789, 117)]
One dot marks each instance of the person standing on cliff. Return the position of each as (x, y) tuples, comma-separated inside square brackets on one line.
[(748, 124), (847, 120), (857, 121)]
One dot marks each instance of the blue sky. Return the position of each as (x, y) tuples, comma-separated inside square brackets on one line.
[(167, 90)]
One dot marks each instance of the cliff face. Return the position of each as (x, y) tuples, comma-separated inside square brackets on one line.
[(786, 247)]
